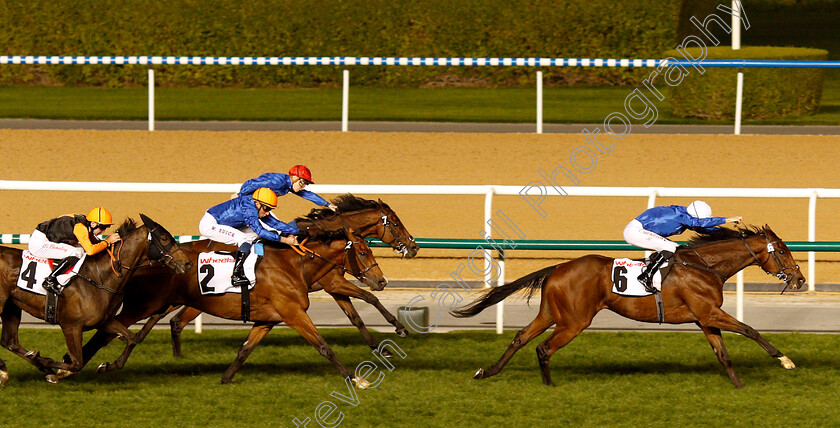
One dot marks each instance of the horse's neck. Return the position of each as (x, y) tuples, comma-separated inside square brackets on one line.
[(330, 251), (730, 256), (361, 221)]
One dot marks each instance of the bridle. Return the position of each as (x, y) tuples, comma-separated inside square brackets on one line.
[(771, 250), (341, 266), (156, 252), (401, 247)]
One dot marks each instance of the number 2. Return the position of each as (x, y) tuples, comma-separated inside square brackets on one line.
[(208, 269)]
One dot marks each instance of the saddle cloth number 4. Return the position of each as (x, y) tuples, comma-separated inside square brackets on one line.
[(33, 270)]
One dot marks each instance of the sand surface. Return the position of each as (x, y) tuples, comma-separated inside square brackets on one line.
[(429, 158)]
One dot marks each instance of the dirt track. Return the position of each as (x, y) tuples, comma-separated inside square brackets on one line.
[(427, 158)]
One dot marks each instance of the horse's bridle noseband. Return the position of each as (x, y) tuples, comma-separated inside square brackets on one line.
[(401, 247), (771, 250)]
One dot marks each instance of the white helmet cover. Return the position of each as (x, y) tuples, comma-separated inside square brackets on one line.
[(699, 209)]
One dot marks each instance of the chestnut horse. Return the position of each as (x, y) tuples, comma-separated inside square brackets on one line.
[(91, 299), (368, 218), (281, 293), (573, 292), (371, 219)]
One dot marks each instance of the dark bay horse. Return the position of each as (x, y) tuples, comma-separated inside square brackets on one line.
[(281, 294), (370, 219), (573, 292), (91, 299)]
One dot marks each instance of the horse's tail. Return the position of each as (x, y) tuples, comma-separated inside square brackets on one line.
[(533, 281)]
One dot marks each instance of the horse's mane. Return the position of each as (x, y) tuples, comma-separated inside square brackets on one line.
[(707, 236), (345, 203), (127, 227), (325, 236)]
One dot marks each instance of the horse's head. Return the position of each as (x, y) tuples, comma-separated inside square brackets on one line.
[(361, 263), (778, 260), (394, 232), (163, 248)]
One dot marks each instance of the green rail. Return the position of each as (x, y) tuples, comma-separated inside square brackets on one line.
[(586, 245)]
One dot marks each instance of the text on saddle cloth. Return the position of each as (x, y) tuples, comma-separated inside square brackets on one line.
[(33, 270), (215, 269), (625, 278)]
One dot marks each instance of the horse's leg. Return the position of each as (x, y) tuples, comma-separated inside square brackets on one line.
[(347, 306), (9, 340), (299, 320), (257, 333), (176, 326), (715, 339), (542, 322), (716, 317), (115, 327), (346, 288)]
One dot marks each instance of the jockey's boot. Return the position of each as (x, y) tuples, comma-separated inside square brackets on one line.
[(656, 261), (238, 279), (51, 281)]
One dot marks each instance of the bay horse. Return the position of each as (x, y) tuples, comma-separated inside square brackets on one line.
[(366, 217), (573, 292), (281, 294), (91, 299), (370, 219)]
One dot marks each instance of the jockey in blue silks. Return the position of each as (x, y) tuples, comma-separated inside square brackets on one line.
[(650, 227), (296, 181), (239, 222)]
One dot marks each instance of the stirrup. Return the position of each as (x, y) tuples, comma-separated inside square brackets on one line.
[(240, 281), (52, 286)]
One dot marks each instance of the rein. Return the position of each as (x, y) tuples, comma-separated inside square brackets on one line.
[(312, 254)]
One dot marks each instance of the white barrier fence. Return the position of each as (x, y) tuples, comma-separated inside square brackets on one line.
[(489, 191)]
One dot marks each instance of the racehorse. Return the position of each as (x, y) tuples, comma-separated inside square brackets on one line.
[(573, 292), (281, 293), (370, 219), (92, 297)]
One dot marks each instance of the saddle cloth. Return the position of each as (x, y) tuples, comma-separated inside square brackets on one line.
[(625, 278), (33, 270), (215, 269)]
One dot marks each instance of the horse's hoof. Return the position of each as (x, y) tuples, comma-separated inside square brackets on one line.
[(61, 373), (787, 363), (386, 353), (225, 381), (52, 378), (32, 354), (361, 383), (102, 368), (402, 332), (479, 374), (4, 378)]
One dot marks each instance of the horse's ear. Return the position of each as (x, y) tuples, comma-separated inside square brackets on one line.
[(147, 221)]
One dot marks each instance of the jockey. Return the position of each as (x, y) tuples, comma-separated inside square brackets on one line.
[(68, 238), (650, 227), (298, 178), (239, 222)]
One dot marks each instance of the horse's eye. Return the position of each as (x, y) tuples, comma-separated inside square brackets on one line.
[(363, 254)]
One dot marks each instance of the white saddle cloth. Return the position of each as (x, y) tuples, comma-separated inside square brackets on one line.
[(33, 270)]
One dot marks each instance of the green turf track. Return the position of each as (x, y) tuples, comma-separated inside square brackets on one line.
[(601, 379), (561, 105)]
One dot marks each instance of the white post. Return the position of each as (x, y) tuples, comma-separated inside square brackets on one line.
[(539, 102), (736, 26), (812, 236), (199, 323), (345, 101), (488, 268), (739, 98), (151, 99), (736, 44), (739, 296), (500, 311)]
